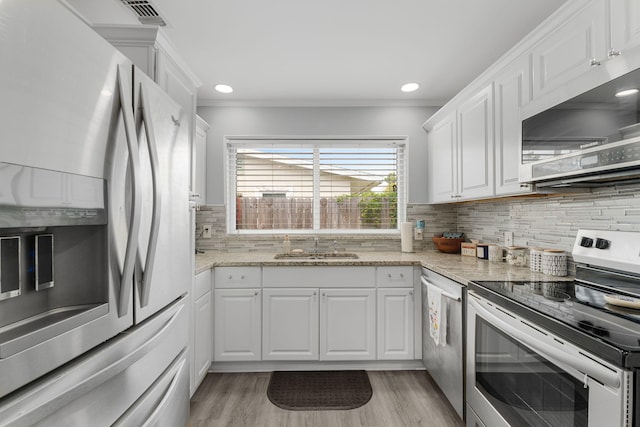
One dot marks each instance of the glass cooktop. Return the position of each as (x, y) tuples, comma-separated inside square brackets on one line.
[(575, 311)]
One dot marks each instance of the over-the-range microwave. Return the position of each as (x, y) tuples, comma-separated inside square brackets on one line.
[(590, 140)]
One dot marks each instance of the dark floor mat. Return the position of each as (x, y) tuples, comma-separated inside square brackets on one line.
[(319, 390)]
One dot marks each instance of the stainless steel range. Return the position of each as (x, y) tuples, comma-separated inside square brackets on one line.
[(559, 353)]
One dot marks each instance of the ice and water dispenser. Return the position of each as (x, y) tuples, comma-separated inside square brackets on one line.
[(53, 247)]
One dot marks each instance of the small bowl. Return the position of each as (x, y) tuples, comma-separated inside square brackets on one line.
[(448, 245)]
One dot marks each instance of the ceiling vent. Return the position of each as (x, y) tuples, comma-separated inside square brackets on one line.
[(146, 12)]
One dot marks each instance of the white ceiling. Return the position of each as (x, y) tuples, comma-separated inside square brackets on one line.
[(335, 52)]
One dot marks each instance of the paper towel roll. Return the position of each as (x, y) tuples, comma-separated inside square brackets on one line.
[(406, 236)]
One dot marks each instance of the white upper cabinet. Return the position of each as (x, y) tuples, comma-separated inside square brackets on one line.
[(576, 46), (475, 145), (461, 151), (474, 140), (624, 24), (442, 160), (512, 91), (199, 161)]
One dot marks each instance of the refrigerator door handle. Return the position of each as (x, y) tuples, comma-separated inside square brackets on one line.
[(126, 106), (147, 273)]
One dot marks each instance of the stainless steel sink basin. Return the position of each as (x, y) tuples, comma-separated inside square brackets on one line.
[(319, 255)]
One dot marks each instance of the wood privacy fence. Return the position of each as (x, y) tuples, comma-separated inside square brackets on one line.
[(258, 213)]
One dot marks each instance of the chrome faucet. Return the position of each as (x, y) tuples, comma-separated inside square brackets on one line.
[(335, 246), (316, 241)]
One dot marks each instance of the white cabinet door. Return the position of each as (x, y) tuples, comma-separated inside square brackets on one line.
[(624, 24), (203, 337), (512, 91), (201, 330), (237, 335), (347, 324), (442, 160), (199, 163), (290, 324), (395, 323), (475, 146), (568, 51)]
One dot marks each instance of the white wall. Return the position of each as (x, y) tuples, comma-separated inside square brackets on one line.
[(317, 121)]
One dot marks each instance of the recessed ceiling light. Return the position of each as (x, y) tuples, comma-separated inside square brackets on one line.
[(626, 92), (410, 87), (223, 88)]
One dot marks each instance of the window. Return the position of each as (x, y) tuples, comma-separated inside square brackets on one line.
[(304, 185)]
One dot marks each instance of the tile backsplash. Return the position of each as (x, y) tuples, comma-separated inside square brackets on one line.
[(438, 218), (549, 221)]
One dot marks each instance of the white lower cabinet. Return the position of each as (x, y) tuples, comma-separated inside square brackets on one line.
[(347, 324), (395, 323), (201, 345), (237, 324), (290, 324), (268, 318), (203, 334), (318, 324)]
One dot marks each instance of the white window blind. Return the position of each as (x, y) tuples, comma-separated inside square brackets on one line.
[(294, 185)]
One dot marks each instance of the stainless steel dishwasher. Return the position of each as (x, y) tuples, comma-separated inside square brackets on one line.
[(445, 363)]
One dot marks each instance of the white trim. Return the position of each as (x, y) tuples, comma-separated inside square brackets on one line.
[(268, 366), (317, 141), (311, 103)]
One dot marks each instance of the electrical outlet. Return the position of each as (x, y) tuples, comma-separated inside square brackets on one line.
[(206, 231), (508, 238)]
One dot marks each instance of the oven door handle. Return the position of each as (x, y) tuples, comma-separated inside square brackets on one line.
[(593, 369)]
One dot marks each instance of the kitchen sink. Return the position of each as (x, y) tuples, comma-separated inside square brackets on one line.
[(316, 255)]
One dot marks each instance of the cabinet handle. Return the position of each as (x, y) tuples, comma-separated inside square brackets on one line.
[(402, 275), (594, 62), (613, 53), (389, 275), (230, 277), (256, 293), (242, 277), (314, 293)]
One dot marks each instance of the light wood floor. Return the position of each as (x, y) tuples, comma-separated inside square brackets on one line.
[(400, 398)]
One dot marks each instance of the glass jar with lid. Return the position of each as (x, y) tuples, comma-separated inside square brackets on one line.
[(518, 256)]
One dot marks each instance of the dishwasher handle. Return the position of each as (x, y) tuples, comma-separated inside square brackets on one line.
[(444, 293)]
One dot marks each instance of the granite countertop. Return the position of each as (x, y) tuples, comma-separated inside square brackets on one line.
[(462, 269)]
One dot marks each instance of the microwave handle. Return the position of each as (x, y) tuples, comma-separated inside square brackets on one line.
[(126, 280), (582, 364), (147, 272)]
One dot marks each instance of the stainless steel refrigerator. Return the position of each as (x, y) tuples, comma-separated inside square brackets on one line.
[(103, 338)]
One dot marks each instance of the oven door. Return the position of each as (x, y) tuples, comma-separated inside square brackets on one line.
[(521, 375)]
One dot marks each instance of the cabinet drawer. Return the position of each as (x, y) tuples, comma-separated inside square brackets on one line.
[(401, 276), (203, 284), (318, 277), (237, 277)]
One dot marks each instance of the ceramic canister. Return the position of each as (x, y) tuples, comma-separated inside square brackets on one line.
[(535, 259), (554, 262)]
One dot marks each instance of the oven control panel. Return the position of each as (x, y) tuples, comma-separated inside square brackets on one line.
[(618, 250)]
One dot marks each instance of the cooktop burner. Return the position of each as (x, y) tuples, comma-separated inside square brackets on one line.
[(576, 311)]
